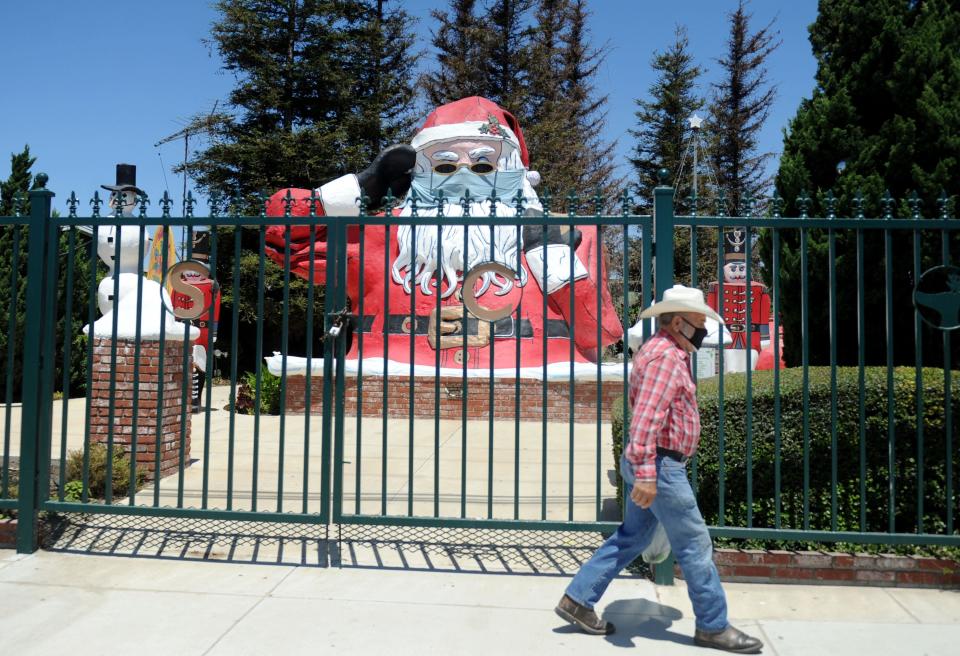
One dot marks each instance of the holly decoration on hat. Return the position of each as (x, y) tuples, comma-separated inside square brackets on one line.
[(492, 126)]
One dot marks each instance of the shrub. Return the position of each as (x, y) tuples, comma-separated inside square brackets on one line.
[(97, 482), (269, 393), (877, 447)]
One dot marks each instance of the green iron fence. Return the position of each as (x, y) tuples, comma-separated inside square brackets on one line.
[(550, 473)]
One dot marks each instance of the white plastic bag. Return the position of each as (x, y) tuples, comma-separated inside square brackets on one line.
[(659, 547)]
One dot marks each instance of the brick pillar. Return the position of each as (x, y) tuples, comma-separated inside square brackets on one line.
[(174, 408)]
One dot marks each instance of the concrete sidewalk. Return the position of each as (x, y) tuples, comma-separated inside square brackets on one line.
[(57, 603)]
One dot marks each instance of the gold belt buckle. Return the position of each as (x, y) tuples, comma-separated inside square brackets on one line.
[(451, 321)]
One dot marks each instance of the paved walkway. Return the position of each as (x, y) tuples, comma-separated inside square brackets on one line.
[(60, 603)]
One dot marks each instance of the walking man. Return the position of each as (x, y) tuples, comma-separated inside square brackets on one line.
[(664, 434)]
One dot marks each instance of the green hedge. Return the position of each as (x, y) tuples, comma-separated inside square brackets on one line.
[(906, 442)]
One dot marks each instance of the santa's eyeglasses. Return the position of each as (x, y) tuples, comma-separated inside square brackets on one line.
[(449, 168)]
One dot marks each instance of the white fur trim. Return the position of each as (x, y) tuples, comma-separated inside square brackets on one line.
[(297, 366), (466, 130), (340, 197), (533, 177), (557, 268)]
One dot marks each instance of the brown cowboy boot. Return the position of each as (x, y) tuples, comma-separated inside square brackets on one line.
[(583, 617), (730, 639)]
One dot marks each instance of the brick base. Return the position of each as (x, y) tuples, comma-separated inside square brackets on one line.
[(749, 565), (147, 410), (451, 398), (8, 533)]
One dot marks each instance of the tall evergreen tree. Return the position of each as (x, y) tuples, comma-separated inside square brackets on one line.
[(458, 42), (741, 104), (548, 127), (383, 85), (663, 131), (17, 184), (883, 116), (488, 56), (592, 158), (321, 86), (13, 267), (13, 284), (664, 139), (506, 36)]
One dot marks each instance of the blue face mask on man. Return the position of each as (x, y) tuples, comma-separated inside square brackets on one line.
[(501, 184)]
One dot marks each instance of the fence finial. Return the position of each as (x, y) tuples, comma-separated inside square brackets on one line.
[(943, 203), (915, 205), (858, 204), (886, 204), (830, 203)]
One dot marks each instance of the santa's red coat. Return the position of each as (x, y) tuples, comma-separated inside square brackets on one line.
[(577, 320)]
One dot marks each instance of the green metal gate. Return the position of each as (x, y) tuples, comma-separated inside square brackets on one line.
[(553, 473)]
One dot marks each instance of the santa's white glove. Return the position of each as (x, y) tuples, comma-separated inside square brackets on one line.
[(551, 256)]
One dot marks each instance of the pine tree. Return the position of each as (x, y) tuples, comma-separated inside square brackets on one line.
[(459, 43), (384, 63), (547, 129), (741, 104), (505, 59), (567, 116), (882, 116), (663, 131), (322, 86), (664, 136)]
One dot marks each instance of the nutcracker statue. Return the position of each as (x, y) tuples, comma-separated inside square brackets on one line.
[(739, 353), (466, 297)]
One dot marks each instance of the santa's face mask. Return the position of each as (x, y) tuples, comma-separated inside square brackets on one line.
[(502, 184)]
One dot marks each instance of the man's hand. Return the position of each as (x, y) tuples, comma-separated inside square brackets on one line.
[(643, 493), (390, 170)]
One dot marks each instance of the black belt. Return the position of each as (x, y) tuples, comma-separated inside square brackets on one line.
[(399, 324), (673, 455)]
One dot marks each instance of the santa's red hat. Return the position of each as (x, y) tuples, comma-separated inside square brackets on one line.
[(472, 118)]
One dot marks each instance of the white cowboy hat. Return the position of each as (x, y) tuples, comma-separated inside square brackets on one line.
[(681, 299)]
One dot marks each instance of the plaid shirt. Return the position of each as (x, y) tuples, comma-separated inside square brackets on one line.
[(664, 401)]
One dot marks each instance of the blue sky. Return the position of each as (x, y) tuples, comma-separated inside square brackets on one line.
[(93, 83)]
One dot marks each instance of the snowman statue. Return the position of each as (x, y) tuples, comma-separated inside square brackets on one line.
[(125, 276)]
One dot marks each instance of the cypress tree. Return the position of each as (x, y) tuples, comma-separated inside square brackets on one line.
[(13, 299), (882, 116), (13, 243)]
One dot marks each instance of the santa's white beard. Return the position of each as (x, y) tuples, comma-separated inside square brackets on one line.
[(418, 263)]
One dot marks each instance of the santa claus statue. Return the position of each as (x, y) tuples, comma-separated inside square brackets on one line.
[(740, 353), (468, 296)]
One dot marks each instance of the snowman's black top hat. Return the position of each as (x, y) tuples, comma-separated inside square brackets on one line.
[(126, 179)]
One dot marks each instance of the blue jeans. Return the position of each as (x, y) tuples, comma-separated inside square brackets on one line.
[(676, 508)]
